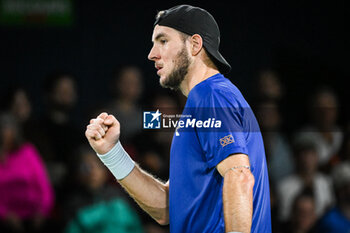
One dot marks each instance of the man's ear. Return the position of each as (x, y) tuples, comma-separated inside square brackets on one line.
[(196, 44)]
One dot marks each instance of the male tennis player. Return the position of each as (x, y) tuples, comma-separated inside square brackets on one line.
[(218, 177)]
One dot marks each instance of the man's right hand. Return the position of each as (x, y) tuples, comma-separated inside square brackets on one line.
[(103, 133)]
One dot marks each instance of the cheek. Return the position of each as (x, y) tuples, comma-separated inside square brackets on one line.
[(170, 63), (169, 54)]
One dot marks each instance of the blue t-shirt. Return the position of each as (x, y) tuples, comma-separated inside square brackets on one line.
[(334, 221), (216, 122)]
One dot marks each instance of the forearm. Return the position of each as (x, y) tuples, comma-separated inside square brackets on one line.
[(152, 195), (149, 193), (238, 200)]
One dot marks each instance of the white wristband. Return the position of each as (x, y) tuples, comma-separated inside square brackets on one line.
[(118, 161)]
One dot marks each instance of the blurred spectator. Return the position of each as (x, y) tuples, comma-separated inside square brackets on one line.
[(26, 196), (127, 90), (278, 152), (168, 105), (338, 218), (18, 103), (154, 148), (269, 86), (153, 162), (303, 216), (94, 205), (306, 176), (155, 144), (323, 129), (62, 135)]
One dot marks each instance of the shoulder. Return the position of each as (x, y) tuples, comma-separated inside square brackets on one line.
[(216, 91), (28, 148), (29, 151), (323, 179), (330, 220)]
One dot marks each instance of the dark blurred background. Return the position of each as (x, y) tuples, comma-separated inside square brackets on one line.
[(282, 53), (303, 41)]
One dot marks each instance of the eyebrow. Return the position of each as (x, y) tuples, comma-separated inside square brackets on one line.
[(161, 34)]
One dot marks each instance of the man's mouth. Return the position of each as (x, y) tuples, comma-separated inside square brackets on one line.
[(159, 68)]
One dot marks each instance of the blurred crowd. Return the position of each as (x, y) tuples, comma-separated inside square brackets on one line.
[(52, 181)]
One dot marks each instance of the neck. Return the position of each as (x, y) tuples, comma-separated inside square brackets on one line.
[(196, 74)]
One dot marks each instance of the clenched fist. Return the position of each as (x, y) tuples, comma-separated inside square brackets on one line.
[(103, 133)]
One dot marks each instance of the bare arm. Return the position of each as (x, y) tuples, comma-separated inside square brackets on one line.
[(151, 194), (237, 193)]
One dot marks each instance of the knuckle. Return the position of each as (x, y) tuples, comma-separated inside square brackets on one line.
[(88, 134)]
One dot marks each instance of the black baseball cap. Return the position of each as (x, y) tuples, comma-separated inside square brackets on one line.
[(194, 20)]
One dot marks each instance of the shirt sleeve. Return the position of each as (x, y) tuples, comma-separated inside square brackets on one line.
[(225, 134)]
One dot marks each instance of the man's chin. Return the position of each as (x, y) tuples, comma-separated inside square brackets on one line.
[(170, 82), (162, 81), (166, 85)]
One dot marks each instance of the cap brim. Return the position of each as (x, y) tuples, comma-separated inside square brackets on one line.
[(223, 66)]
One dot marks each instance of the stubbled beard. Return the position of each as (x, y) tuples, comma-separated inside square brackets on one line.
[(179, 72)]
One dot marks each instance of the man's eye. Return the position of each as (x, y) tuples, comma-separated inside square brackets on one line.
[(163, 41)]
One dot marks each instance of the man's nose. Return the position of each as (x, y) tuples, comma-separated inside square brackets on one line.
[(153, 54)]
